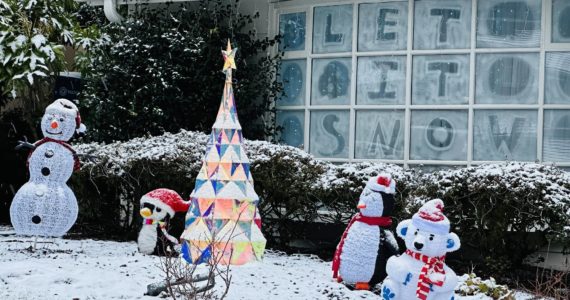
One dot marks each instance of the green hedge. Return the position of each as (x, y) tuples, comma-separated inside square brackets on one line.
[(493, 208)]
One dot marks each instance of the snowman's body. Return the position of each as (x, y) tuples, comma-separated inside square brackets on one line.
[(45, 205), (358, 258)]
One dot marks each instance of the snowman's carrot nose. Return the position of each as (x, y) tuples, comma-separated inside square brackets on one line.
[(361, 206), (54, 125)]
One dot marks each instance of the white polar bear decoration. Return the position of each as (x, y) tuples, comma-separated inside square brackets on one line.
[(421, 272)]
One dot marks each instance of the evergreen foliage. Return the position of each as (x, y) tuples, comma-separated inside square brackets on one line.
[(160, 71)]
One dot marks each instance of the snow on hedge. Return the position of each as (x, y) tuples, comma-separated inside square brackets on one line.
[(189, 146)]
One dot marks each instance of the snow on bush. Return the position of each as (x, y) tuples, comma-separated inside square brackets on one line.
[(471, 285), (494, 208)]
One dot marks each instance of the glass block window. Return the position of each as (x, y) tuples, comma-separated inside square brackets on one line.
[(292, 29), (431, 83)]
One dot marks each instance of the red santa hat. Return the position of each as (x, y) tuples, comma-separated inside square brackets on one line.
[(430, 217), (166, 199), (382, 183)]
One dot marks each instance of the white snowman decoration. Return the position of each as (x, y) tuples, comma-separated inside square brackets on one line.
[(45, 205), (367, 243), (421, 272)]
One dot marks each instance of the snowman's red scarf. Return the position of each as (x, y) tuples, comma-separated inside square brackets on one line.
[(432, 265), (76, 164), (377, 221)]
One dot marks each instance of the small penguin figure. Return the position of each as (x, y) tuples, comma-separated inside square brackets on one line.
[(360, 257), (157, 208)]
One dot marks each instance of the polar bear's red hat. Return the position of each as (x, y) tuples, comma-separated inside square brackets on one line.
[(430, 217)]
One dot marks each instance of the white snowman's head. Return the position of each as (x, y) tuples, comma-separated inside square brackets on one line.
[(428, 231), (61, 120), (377, 198)]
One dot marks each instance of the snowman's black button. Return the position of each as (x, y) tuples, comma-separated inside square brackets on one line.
[(36, 219), (49, 154), (45, 171)]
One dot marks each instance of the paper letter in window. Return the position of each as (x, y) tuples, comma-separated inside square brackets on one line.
[(329, 133), (504, 135), (439, 135), (441, 79), (557, 78), (332, 29), (510, 78), (292, 29), (444, 24), (380, 134), (508, 23), (331, 81), (556, 136), (292, 127), (292, 75), (381, 80), (383, 26)]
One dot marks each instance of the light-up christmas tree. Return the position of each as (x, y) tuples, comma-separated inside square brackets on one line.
[(223, 222)]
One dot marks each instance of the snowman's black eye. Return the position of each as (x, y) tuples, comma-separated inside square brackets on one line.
[(61, 119), (431, 237), (158, 209), (416, 233)]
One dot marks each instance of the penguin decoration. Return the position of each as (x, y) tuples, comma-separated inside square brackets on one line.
[(157, 209), (367, 243)]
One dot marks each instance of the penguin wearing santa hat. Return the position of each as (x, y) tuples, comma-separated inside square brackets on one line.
[(157, 209), (361, 256)]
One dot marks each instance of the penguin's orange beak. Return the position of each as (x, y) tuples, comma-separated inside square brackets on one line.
[(145, 212), (361, 206)]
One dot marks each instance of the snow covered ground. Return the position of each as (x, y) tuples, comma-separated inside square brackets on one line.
[(89, 269)]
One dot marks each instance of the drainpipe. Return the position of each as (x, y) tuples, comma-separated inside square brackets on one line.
[(110, 9)]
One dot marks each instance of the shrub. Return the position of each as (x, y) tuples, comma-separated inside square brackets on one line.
[(497, 209), (493, 208), (471, 285), (159, 71)]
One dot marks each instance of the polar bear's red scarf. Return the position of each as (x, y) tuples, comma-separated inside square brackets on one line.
[(374, 221), (432, 265)]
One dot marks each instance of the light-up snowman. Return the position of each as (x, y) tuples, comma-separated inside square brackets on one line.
[(45, 205)]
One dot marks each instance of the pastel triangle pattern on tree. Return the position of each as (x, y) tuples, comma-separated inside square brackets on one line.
[(223, 222)]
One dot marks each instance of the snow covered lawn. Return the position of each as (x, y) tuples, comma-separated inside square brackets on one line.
[(89, 269)]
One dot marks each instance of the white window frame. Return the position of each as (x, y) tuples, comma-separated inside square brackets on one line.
[(307, 6)]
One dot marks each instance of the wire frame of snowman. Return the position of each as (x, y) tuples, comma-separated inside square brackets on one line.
[(45, 205)]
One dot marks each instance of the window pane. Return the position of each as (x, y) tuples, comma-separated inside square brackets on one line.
[(556, 135), (504, 135), (441, 79), (332, 29), (293, 73), (381, 80), (508, 23), (445, 24), (507, 78), (383, 26), (439, 135), (331, 81), (293, 127), (329, 133), (557, 78), (380, 134), (560, 21), (292, 30)]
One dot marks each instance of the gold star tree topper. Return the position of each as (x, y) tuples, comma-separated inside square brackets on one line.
[(229, 58)]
